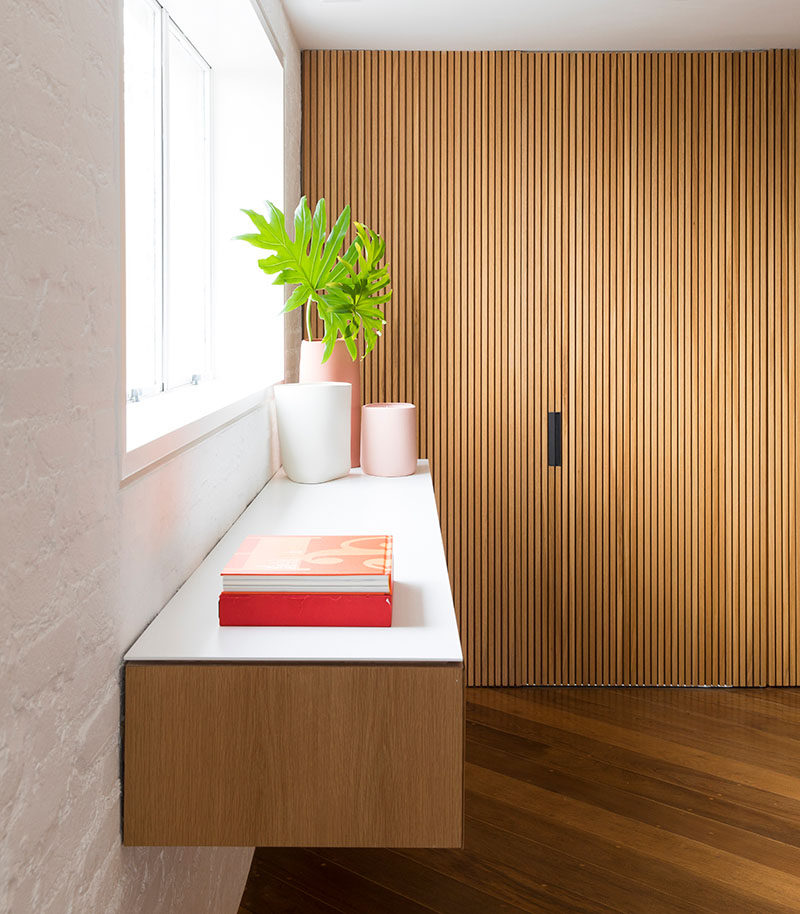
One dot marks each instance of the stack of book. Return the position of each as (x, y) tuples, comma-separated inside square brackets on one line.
[(309, 580)]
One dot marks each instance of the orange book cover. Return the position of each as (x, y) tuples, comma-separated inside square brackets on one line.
[(311, 557)]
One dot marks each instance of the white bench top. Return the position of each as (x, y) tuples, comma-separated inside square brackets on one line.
[(423, 627)]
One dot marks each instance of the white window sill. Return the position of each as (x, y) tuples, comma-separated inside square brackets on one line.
[(160, 426)]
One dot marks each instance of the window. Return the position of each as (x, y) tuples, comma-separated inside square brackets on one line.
[(168, 203), (203, 122), (143, 167)]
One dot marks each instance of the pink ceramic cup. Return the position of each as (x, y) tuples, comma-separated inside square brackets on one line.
[(389, 439)]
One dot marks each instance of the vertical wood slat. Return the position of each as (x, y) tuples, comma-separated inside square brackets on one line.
[(614, 236)]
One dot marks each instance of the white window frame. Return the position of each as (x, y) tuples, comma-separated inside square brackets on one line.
[(168, 27), (166, 424)]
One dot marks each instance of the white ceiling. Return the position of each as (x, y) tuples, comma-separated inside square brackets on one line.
[(545, 24)]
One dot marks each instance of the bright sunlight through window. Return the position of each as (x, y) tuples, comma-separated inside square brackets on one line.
[(203, 120), (168, 201)]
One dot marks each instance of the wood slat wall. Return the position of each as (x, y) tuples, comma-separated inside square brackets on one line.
[(614, 236)]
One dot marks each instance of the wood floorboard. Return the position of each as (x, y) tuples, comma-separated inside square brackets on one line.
[(410, 877), (608, 869), (589, 801), (730, 734), (771, 809), (343, 888), (645, 783), (728, 713), (637, 799), (502, 882), (658, 744), (266, 892), (712, 729), (514, 847)]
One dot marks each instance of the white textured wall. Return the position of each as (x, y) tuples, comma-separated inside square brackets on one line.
[(85, 564)]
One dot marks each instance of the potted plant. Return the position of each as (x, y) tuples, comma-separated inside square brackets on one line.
[(348, 290)]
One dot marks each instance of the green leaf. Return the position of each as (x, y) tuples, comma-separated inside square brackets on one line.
[(295, 300), (335, 239), (352, 346), (361, 287), (347, 289), (256, 240), (319, 225)]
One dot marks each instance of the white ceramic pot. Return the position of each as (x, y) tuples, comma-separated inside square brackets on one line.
[(314, 430), (339, 367)]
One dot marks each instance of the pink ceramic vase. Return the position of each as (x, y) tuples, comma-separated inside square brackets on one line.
[(389, 439), (339, 367)]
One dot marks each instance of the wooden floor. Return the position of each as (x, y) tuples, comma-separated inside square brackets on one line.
[(626, 800)]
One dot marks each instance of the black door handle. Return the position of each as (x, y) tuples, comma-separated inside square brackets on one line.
[(554, 439)]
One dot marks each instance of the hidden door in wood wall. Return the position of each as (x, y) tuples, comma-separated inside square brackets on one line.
[(615, 237)]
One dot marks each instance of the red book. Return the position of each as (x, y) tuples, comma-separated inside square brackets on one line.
[(346, 609), (309, 580)]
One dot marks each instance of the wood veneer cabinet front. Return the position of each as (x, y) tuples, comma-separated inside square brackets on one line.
[(294, 754)]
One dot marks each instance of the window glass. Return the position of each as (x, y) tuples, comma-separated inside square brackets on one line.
[(187, 212), (142, 70)]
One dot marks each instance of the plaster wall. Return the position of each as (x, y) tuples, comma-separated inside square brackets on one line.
[(87, 563)]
